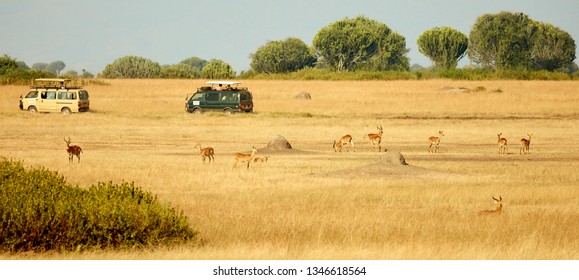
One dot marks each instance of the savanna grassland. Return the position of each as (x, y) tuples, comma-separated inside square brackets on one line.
[(313, 203)]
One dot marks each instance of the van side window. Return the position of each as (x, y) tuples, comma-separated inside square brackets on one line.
[(51, 95), (212, 96)]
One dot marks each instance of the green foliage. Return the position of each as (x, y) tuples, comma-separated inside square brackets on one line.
[(195, 62), (445, 46), (7, 64), (217, 69), (501, 41), (39, 212), (55, 67), (132, 67), (330, 75), (180, 71), (552, 48), (40, 66), (283, 56)]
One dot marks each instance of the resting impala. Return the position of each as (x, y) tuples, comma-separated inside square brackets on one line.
[(498, 209), (503, 149), (525, 145), (206, 153), (346, 140), (244, 157), (260, 159), (73, 150), (376, 138), (435, 141)]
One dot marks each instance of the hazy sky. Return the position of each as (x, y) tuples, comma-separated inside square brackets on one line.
[(91, 34)]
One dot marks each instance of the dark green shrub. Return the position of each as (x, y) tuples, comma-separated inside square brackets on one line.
[(39, 211)]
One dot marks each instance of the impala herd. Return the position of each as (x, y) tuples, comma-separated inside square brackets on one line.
[(344, 141)]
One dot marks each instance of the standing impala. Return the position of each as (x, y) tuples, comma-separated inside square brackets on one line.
[(72, 150), (346, 140), (503, 149), (435, 141), (206, 153), (498, 209), (376, 138), (525, 145), (244, 157)]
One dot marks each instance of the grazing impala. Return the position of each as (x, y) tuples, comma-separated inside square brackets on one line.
[(260, 159), (498, 209), (435, 141), (346, 140), (503, 149), (247, 158), (376, 138), (525, 145), (73, 150), (206, 153)]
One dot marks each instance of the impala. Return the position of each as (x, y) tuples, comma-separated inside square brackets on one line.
[(346, 140), (244, 157), (435, 141), (260, 159), (375, 138), (498, 209), (206, 153), (73, 150), (525, 145), (503, 149)]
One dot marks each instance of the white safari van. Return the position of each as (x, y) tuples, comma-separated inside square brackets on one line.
[(54, 95)]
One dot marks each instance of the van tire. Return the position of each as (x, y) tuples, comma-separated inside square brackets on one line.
[(32, 109), (197, 111), (228, 111), (66, 111)]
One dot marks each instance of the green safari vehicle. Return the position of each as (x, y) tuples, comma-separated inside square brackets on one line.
[(224, 96)]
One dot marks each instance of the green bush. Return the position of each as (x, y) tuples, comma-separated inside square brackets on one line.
[(39, 212)]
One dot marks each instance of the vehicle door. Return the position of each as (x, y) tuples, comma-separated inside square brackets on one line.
[(47, 101), (213, 101), (229, 99), (30, 99), (66, 99)]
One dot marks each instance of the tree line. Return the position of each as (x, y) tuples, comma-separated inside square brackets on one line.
[(503, 41)]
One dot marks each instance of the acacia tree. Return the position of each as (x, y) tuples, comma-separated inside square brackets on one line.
[(217, 69), (551, 48), (55, 67), (283, 56), (501, 41), (132, 67), (445, 46), (351, 43)]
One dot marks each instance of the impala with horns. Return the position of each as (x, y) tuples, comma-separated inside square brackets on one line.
[(245, 158), (498, 207), (375, 138), (207, 152), (345, 140), (72, 150), (525, 143)]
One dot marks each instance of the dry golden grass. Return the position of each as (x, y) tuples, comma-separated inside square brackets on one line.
[(318, 204)]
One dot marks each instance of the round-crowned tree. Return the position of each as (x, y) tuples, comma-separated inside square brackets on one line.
[(132, 67), (217, 69), (445, 46), (282, 56)]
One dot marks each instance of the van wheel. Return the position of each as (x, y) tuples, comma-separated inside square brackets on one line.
[(32, 109), (197, 111), (65, 111), (228, 111)]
